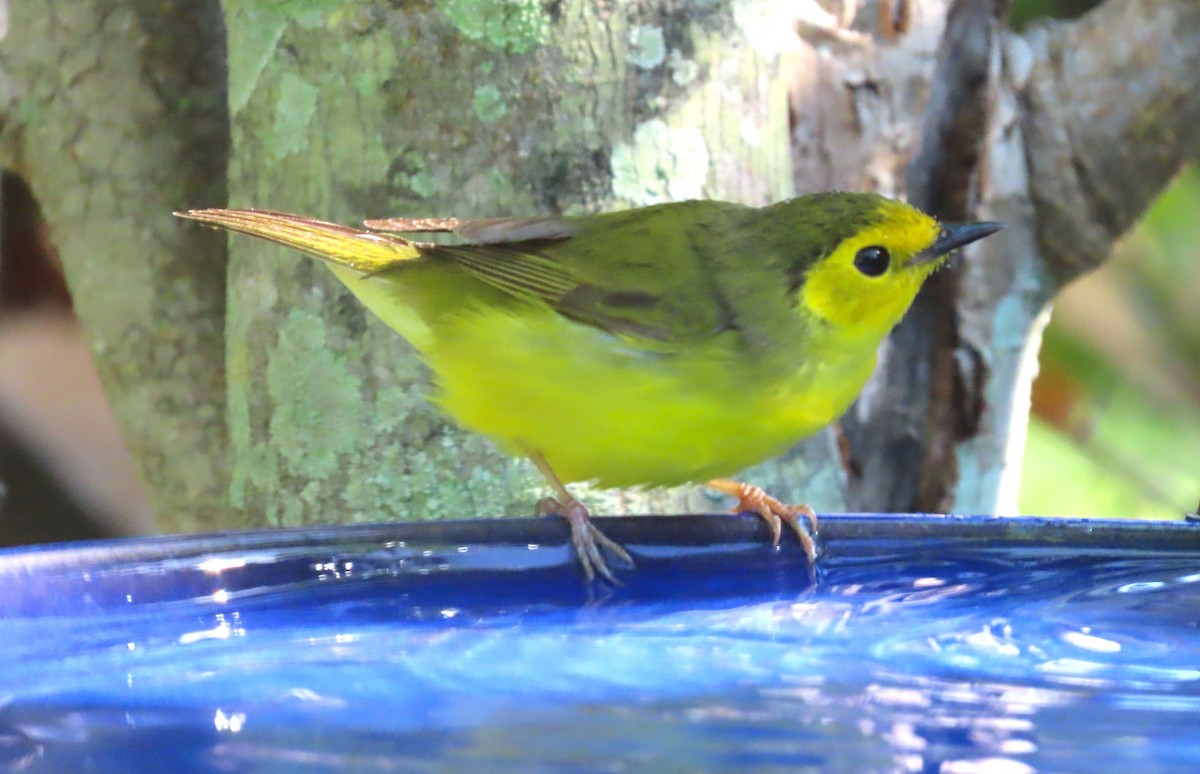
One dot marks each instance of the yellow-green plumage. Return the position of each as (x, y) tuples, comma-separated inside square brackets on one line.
[(654, 346)]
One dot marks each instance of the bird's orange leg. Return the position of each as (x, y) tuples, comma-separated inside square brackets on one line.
[(773, 512), (589, 542)]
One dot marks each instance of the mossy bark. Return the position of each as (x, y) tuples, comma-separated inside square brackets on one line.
[(352, 110)]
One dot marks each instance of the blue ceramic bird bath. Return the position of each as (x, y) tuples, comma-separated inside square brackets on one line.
[(920, 644)]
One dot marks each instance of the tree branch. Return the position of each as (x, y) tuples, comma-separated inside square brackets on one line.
[(903, 432), (1112, 110)]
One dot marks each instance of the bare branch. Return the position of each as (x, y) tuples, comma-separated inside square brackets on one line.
[(939, 178), (1112, 110), (906, 444)]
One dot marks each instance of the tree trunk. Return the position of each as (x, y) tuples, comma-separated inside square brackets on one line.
[(352, 110), (116, 118), (465, 109)]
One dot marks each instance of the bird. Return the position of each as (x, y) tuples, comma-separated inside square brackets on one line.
[(674, 343)]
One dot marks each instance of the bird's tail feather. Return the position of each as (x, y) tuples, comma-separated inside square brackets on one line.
[(362, 251)]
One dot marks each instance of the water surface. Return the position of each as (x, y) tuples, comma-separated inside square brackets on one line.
[(948, 646)]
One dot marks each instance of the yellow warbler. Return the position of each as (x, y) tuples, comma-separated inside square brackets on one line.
[(655, 346)]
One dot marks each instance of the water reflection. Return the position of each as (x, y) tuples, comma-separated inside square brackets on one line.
[(980, 661)]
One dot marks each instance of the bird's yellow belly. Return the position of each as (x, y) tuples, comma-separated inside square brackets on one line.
[(599, 409)]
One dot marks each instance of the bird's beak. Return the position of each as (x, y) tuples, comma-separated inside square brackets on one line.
[(954, 236)]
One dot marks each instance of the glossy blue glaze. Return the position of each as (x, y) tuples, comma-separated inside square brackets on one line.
[(919, 644)]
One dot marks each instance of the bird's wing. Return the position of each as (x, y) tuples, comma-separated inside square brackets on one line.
[(481, 230), (643, 274)]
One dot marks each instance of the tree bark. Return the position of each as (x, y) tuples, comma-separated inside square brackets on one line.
[(907, 443), (1111, 109), (465, 109), (116, 118)]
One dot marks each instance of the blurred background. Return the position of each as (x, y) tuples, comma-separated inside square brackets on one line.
[(1116, 408), (1116, 405), (1115, 428), (64, 469)]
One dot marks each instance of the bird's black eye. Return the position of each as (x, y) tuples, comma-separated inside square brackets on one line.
[(872, 261)]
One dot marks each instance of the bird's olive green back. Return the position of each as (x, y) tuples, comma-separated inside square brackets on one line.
[(674, 273), (649, 274)]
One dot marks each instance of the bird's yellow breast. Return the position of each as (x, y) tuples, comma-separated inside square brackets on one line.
[(600, 408)]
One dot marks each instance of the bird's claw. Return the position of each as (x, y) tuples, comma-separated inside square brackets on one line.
[(588, 541), (752, 499)]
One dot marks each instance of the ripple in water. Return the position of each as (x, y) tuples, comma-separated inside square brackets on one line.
[(976, 661)]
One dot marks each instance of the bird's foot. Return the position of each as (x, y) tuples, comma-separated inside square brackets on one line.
[(589, 542), (775, 513)]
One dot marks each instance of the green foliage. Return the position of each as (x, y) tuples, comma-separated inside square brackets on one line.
[(1127, 443)]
